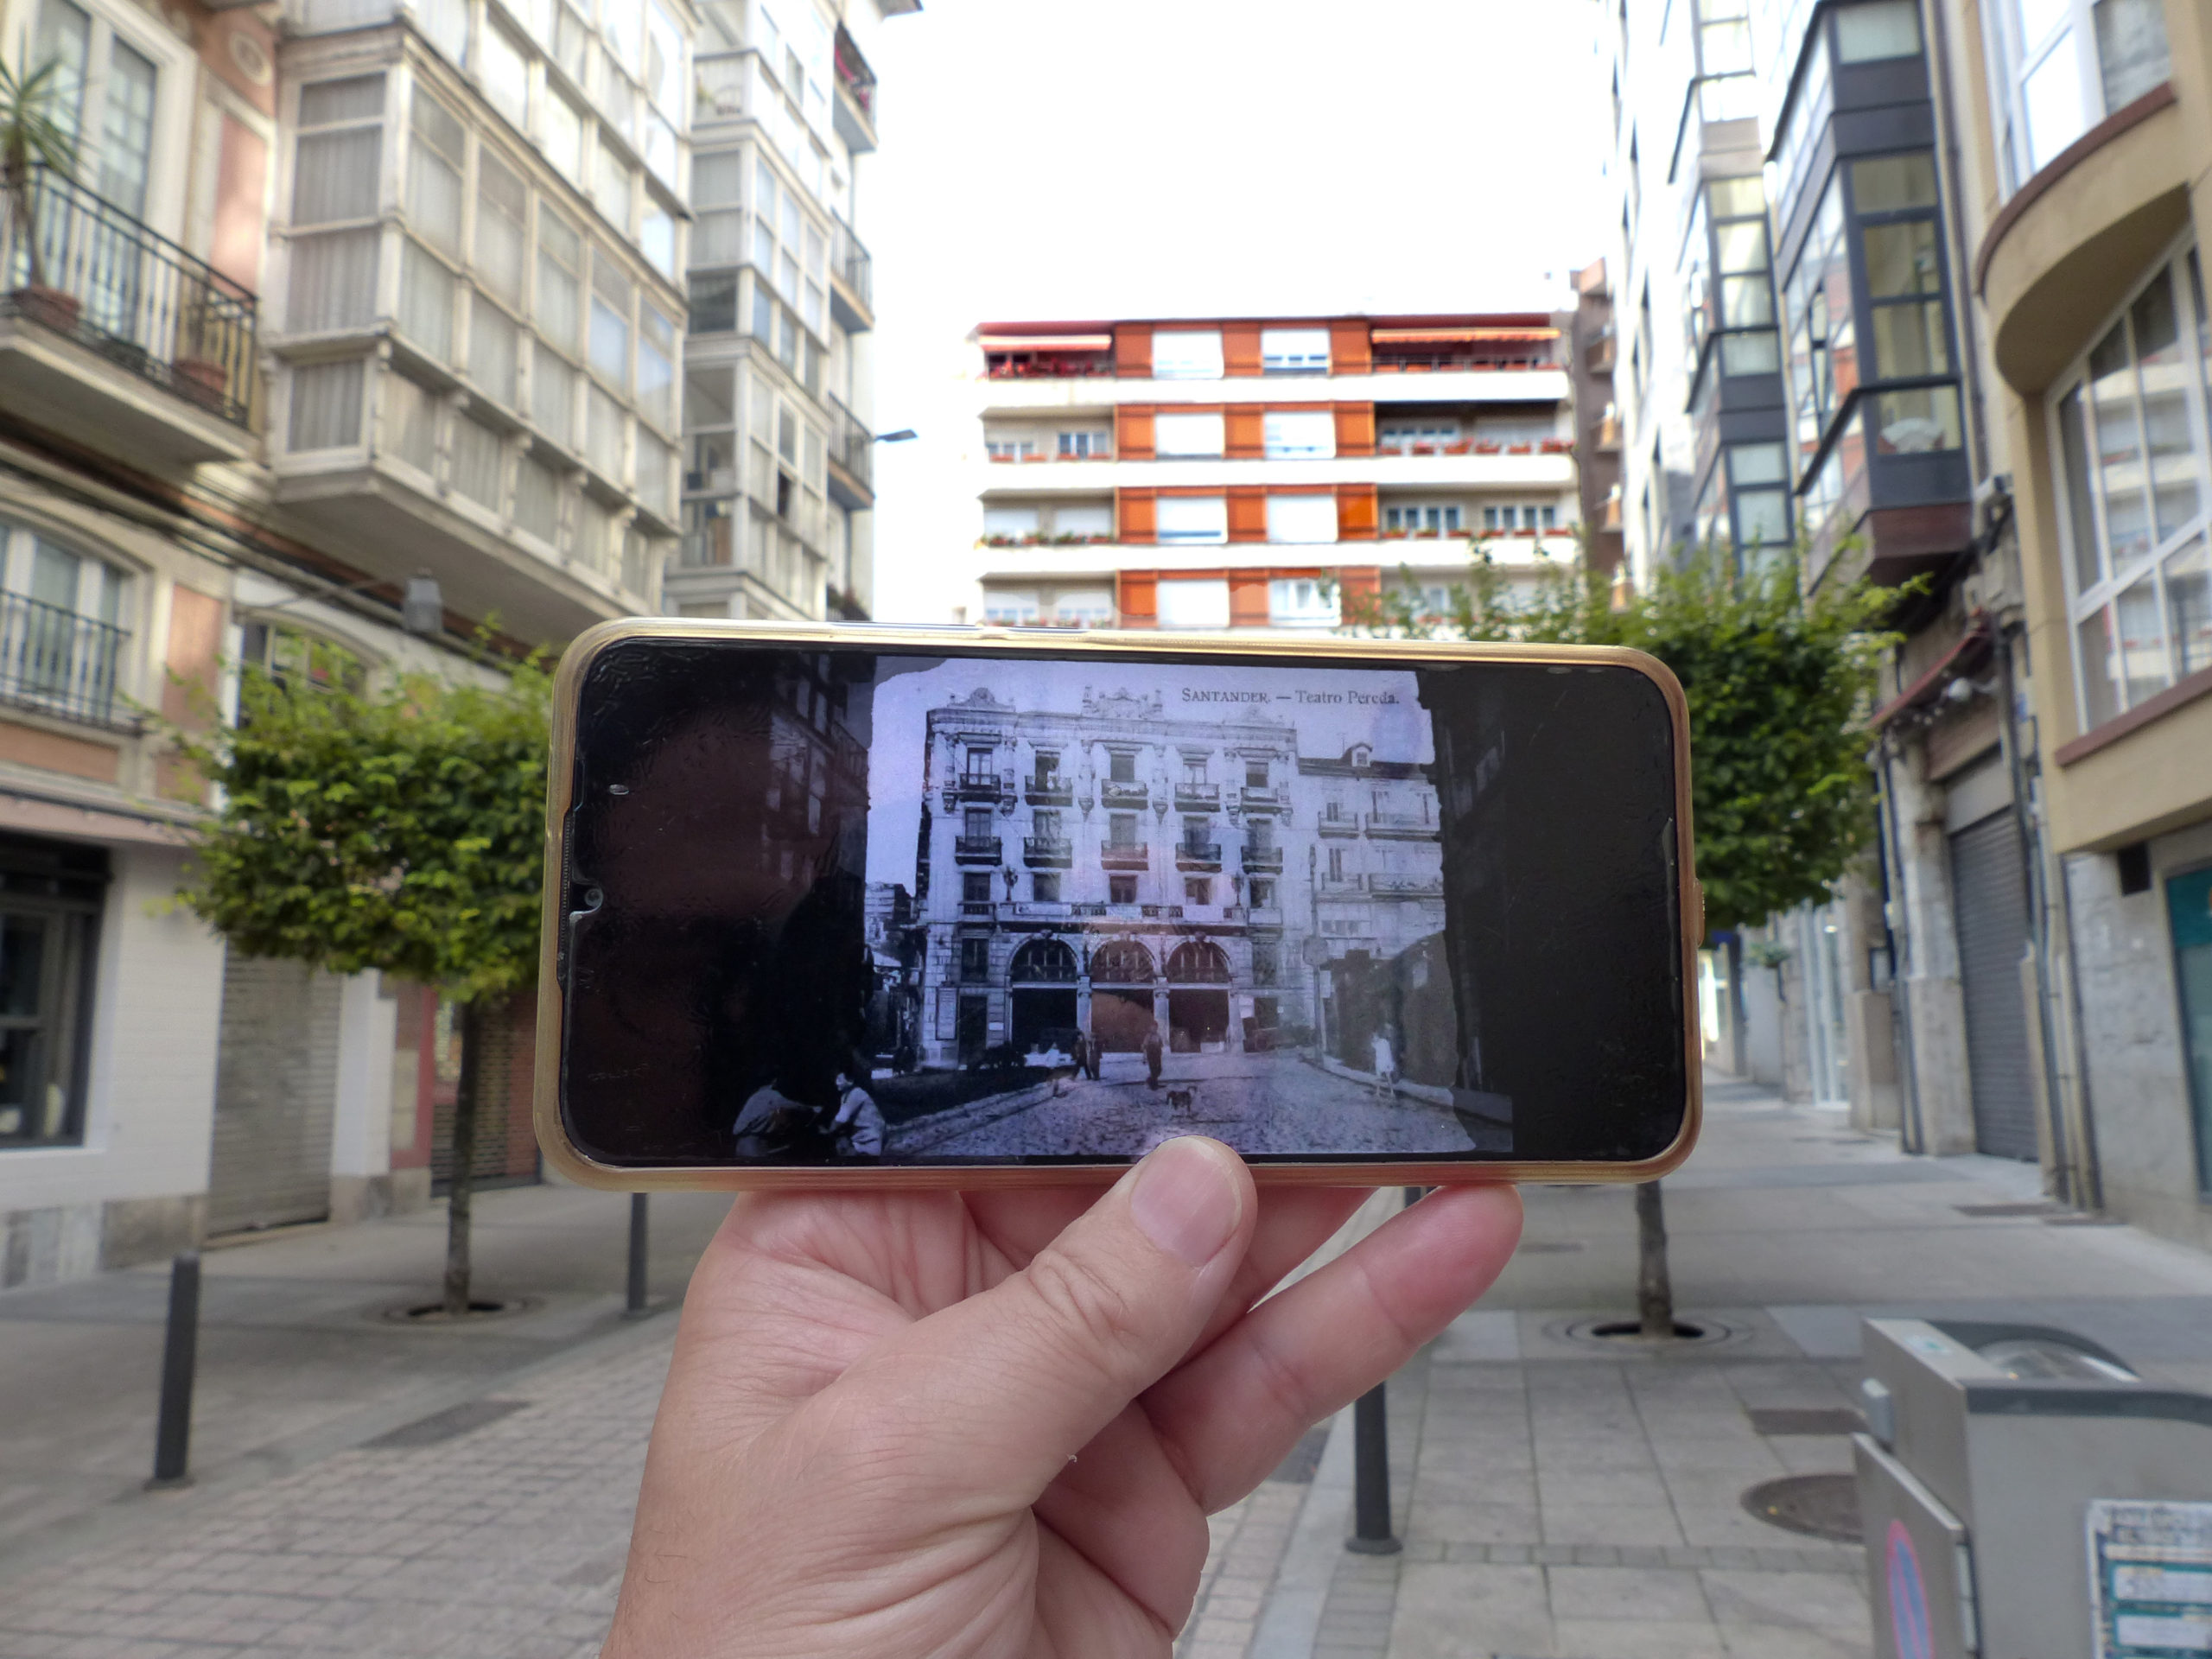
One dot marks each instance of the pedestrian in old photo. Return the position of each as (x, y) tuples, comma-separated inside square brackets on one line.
[(858, 1125), (1081, 1051), (1386, 1062), (1093, 1051), (1152, 1050), (771, 1124)]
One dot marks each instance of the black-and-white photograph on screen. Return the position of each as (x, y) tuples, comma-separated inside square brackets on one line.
[(1108, 904)]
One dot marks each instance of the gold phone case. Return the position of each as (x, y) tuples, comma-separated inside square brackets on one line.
[(563, 1156)]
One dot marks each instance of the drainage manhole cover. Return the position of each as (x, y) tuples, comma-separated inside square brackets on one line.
[(1819, 1506), (1626, 1337)]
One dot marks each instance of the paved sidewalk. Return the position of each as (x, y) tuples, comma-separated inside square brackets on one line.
[(1555, 1497)]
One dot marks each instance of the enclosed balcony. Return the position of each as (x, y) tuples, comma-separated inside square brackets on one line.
[(975, 849), (1190, 797), (852, 280), (1262, 859), (116, 336), (1048, 789), (1125, 855)]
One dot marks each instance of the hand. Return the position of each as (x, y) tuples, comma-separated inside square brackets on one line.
[(994, 1423)]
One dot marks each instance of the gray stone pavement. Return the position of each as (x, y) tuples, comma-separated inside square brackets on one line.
[(1557, 1498)]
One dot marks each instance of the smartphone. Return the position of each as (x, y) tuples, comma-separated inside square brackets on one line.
[(834, 906)]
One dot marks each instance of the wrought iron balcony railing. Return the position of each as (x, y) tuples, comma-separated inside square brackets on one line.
[(1198, 796), (851, 263), (1053, 852), (975, 849), (62, 664), (90, 271), (1115, 794), (1197, 854), (1262, 858), (1125, 854)]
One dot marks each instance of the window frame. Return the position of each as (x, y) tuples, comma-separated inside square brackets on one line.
[(2180, 264)]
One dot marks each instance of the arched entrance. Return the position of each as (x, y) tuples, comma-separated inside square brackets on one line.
[(1041, 988), (1197, 998), (1121, 996)]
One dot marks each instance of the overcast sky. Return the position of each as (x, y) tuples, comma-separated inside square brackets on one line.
[(1056, 159)]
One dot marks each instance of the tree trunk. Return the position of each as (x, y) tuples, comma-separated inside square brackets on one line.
[(1655, 1290), (463, 1185)]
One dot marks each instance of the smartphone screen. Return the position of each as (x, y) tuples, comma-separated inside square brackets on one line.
[(974, 907)]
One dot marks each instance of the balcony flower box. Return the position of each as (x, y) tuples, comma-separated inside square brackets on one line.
[(201, 379), (55, 308), (1521, 449), (1559, 446), (1424, 448), (1459, 449), (1485, 447)]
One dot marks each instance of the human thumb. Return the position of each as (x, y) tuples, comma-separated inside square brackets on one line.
[(1022, 1377)]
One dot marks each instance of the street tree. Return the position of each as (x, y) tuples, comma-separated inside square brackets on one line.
[(399, 828), (1778, 683)]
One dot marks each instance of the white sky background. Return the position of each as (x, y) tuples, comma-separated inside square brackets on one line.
[(898, 721), (1055, 160)]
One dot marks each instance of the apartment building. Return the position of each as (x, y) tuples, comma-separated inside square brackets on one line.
[(1251, 472), (341, 341), (779, 492), (1979, 223), (1597, 420)]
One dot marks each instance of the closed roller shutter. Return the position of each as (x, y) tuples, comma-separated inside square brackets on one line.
[(1989, 891), (276, 1089)]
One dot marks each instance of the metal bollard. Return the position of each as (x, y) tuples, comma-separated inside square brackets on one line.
[(637, 1308), (180, 1357), (1370, 1451)]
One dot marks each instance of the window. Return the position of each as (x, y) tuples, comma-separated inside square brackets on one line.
[(656, 348), (1191, 519), (502, 211), (105, 100), (436, 149), (426, 300), (505, 72), (1121, 889), (560, 279), (657, 238), (975, 960), (1181, 436), (609, 349), (974, 888), (655, 462), (479, 458), (1876, 29), (1015, 522), (553, 395), (1186, 354), (561, 132), (1121, 768), (65, 628), (336, 155), (1006, 446), (494, 348), (1758, 482), (1302, 518), (326, 400), (1290, 433), (603, 434), (1295, 351), (50, 900), (1438, 518), (1255, 774), (2058, 66), (1197, 890), (1044, 887), (613, 185), (1294, 602), (2130, 433), (410, 416), (1194, 604), (1086, 446), (288, 657), (538, 501)]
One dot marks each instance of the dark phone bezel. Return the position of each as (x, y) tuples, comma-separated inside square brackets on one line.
[(1339, 1170)]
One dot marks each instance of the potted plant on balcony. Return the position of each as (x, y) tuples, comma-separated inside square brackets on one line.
[(31, 138)]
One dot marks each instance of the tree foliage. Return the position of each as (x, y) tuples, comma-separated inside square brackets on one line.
[(401, 829), (1778, 684)]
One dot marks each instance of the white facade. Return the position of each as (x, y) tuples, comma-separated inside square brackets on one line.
[(777, 490)]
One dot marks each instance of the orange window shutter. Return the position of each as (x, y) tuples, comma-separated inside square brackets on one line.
[(1248, 514), (1133, 432), (1133, 350), (1135, 597), (1348, 351), (1356, 512), (1244, 433), (1134, 515), (1240, 348), (1354, 429), (1248, 599)]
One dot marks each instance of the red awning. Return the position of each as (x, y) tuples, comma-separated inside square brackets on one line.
[(1969, 654), (1431, 336), (1046, 342)]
